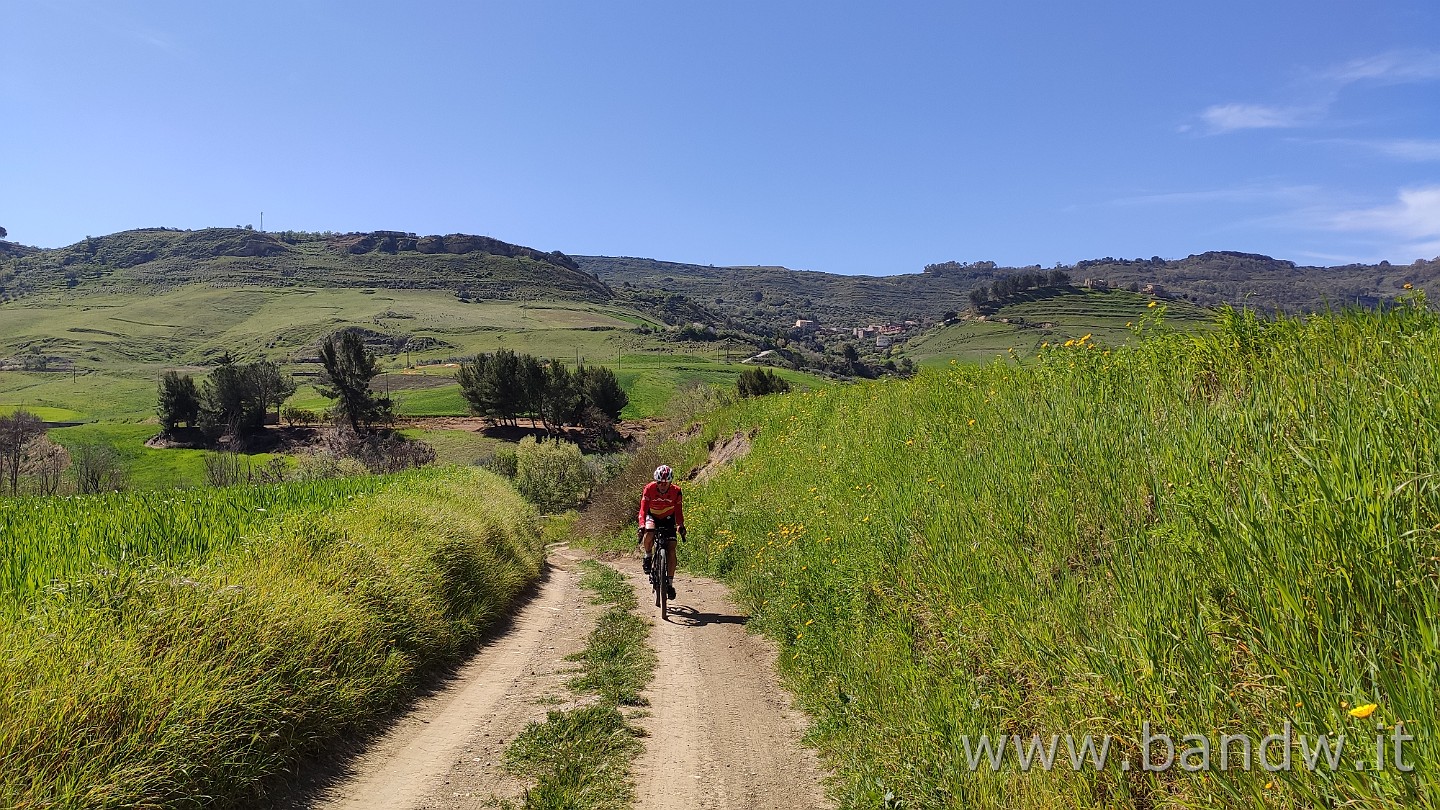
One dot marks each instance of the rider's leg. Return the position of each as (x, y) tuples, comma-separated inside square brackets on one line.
[(670, 558), (649, 541)]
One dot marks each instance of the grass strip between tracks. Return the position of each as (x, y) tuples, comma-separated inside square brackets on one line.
[(580, 758)]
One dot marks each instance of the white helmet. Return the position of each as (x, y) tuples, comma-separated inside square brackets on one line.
[(664, 473)]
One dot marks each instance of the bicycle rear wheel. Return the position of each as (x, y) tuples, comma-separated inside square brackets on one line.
[(659, 568)]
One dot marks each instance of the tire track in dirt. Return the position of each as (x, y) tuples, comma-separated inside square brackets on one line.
[(722, 734), (448, 752)]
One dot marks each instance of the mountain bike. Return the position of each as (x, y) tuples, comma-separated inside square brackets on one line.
[(659, 564)]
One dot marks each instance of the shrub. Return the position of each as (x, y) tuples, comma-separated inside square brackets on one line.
[(96, 468), (224, 469), (757, 382), (323, 465), (299, 416), (550, 474), (503, 462)]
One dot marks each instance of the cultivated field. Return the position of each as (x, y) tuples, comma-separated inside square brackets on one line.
[(1039, 318)]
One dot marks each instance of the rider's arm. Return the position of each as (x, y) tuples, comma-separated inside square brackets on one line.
[(679, 512), (644, 505)]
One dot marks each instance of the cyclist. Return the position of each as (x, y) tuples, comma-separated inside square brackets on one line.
[(660, 513)]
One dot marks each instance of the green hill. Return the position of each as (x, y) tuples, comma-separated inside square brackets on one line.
[(1051, 316), (12, 250), (161, 259), (767, 298)]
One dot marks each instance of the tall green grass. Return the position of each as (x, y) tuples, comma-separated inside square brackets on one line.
[(48, 541), (196, 648), (1213, 533)]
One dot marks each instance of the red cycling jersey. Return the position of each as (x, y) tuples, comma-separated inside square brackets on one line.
[(661, 505)]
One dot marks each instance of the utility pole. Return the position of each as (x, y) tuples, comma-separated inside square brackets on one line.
[(262, 221)]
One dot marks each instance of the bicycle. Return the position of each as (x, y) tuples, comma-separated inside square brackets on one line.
[(659, 564)]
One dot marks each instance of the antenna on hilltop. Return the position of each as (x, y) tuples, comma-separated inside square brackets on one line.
[(262, 221)]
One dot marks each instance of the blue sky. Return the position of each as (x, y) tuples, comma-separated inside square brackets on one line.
[(836, 136)]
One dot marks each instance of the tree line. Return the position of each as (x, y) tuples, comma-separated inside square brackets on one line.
[(1007, 287), (506, 385), (235, 399)]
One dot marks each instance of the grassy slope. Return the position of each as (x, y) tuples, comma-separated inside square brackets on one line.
[(1106, 316), (196, 323), (189, 681), (124, 342), (1222, 532)]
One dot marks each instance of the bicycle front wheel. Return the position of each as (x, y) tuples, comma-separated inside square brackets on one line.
[(660, 567)]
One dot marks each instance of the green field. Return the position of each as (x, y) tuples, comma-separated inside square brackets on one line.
[(197, 323), (1221, 532), (121, 344), (1108, 317), (462, 447), (47, 414)]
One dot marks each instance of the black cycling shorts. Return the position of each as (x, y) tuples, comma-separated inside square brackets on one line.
[(664, 526)]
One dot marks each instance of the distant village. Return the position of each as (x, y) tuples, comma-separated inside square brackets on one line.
[(882, 335)]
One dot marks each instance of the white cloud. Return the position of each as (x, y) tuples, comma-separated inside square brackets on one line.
[(1254, 192), (1413, 220), (1322, 88), (1223, 118), (1416, 215), (1412, 149), (1396, 67)]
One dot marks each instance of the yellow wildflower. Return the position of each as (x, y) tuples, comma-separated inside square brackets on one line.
[(1363, 712), (1151, 304), (1409, 286)]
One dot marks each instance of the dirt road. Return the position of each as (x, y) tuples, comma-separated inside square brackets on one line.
[(721, 732)]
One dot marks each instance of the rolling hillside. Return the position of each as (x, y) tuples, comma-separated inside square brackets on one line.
[(1050, 316), (766, 298), (162, 259)]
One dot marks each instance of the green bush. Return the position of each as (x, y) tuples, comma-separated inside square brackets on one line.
[(503, 462), (551, 474), (757, 382)]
